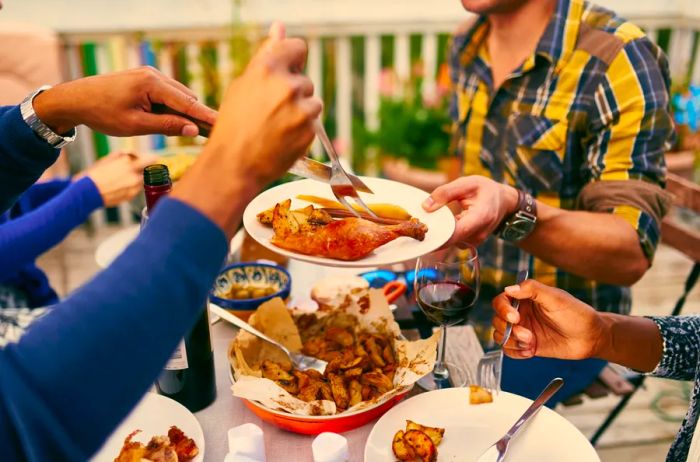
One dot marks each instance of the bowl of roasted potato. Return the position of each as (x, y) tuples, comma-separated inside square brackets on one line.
[(370, 365), (242, 287)]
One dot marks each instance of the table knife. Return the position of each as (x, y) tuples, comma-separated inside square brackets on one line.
[(304, 167)]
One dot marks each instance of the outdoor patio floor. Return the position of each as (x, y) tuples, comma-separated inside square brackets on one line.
[(638, 435)]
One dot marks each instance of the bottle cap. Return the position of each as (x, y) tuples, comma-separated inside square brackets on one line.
[(156, 175)]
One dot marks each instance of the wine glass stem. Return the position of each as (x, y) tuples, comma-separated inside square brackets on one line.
[(440, 369)]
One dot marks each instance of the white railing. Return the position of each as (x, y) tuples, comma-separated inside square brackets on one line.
[(119, 30)]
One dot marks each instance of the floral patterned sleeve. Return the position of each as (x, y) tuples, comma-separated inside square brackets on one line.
[(681, 335)]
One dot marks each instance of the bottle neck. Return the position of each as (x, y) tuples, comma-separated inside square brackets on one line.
[(154, 194), (156, 184)]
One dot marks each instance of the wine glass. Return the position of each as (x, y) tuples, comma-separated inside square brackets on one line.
[(446, 287)]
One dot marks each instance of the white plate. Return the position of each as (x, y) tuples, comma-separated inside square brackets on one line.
[(470, 429), (441, 223), (154, 415), (114, 245)]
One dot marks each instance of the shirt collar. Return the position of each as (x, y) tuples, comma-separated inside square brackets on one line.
[(557, 44)]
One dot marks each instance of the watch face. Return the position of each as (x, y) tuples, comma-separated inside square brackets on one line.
[(517, 229)]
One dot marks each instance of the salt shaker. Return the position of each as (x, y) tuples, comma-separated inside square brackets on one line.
[(330, 447), (246, 444)]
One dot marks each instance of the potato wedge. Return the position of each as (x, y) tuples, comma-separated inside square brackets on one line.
[(266, 217), (402, 450), (283, 221), (434, 433), (479, 395), (422, 445)]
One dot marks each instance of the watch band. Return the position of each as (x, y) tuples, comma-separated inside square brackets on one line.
[(527, 204), (40, 128)]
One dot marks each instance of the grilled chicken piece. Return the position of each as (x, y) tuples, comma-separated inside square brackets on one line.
[(185, 447), (348, 239)]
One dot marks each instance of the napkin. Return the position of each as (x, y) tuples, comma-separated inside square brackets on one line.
[(330, 447), (246, 444)]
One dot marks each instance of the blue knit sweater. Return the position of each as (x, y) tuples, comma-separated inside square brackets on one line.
[(41, 218), (79, 370)]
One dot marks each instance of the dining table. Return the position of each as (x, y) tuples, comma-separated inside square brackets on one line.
[(228, 411)]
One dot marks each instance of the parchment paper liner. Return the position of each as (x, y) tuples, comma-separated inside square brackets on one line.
[(415, 358)]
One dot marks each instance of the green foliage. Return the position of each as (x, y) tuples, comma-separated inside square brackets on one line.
[(412, 130)]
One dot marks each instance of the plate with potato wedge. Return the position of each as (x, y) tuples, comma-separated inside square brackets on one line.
[(302, 220), (443, 425)]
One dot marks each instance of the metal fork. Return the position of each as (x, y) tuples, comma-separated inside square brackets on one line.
[(300, 361), (490, 366), (341, 184)]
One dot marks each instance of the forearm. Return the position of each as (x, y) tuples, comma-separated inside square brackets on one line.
[(630, 341), (109, 340), (223, 181), (25, 238), (598, 246)]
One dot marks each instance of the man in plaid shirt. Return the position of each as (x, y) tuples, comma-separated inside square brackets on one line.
[(561, 120)]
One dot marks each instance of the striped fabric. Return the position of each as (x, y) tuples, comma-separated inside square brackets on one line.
[(590, 105)]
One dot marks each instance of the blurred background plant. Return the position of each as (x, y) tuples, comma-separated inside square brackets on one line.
[(414, 122), (684, 158)]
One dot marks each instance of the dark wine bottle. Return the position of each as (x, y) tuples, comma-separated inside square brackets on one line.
[(188, 377)]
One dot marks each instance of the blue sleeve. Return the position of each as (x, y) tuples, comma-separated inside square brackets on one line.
[(23, 156), (23, 239), (40, 193), (80, 369)]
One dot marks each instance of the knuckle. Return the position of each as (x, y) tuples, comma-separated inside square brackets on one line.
[(149, 74), (170, 126)]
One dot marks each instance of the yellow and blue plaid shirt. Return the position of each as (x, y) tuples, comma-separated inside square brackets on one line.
[(590, 105)]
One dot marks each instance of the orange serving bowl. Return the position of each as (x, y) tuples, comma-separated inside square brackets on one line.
[(315, 424)]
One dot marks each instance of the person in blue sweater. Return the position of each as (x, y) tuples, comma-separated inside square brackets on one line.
[(47, 212), (77, 371)]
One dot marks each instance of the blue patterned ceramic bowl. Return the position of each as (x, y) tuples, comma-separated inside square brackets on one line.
[(244, 286)]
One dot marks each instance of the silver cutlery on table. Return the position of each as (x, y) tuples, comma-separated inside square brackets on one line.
[(315, 170), (300, 361), (497, 451), (341, 184), (490, 367)]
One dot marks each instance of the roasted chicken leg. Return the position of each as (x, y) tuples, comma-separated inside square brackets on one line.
[(347, 239)]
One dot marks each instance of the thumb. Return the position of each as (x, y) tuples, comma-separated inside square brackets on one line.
[(165, 124), (533, 290), (458, 189), (276, 34), (277, 31)]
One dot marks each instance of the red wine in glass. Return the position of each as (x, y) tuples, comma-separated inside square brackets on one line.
[(446, 286), (446, 302)]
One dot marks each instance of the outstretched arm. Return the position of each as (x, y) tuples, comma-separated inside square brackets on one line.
[(78, 371), (117, 104), (551, 323)]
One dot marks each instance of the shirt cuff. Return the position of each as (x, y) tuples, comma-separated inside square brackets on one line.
[(647, 228), (25, 140), (88, 189), (662, 369), (186, 227)]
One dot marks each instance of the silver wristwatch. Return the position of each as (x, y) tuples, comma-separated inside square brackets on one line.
[(40, 128)]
